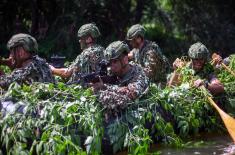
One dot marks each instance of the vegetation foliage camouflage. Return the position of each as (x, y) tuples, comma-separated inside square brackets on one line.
[(57, 116)]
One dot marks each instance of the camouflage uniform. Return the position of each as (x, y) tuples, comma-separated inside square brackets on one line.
[(36, 71), (135, 83), (87, 62), (149, 56)]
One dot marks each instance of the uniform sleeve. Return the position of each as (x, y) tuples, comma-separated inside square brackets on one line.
[(115, 97), (76, 63), (20, 76)]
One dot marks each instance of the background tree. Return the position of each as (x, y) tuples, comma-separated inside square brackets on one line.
[(173, 24)]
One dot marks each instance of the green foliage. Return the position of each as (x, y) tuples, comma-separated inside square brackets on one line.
[(180, 22), (5, 69), (166, 5), (58, 116), (229, 85), (224, 75), (53, 117), (47, 46), (158, 32)]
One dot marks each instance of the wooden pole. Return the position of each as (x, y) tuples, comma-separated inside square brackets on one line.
[(229, 121)]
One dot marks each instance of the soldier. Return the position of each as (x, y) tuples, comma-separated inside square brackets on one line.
[(28, 66), (132, 81), (90, 57), (203, 69), (148, 54)]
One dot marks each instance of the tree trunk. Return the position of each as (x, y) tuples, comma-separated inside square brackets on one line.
[(139, 10)]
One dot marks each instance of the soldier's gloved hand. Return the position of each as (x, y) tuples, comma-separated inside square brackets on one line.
[(198, 83), (177, 64)]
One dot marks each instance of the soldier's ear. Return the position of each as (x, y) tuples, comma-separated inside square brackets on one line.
[(23, 53)]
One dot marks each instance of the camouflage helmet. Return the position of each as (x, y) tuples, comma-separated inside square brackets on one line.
[(135, 30), (28, 42), (198, 51), (115, 49), (89, 29)]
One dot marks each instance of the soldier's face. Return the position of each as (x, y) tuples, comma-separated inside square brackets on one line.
[(134, 43), (119, 66), (116, 67), (198, 64), (85, 41), (137, 42)]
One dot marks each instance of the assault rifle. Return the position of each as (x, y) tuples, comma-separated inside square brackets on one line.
[(57, 61), (95, 77)]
